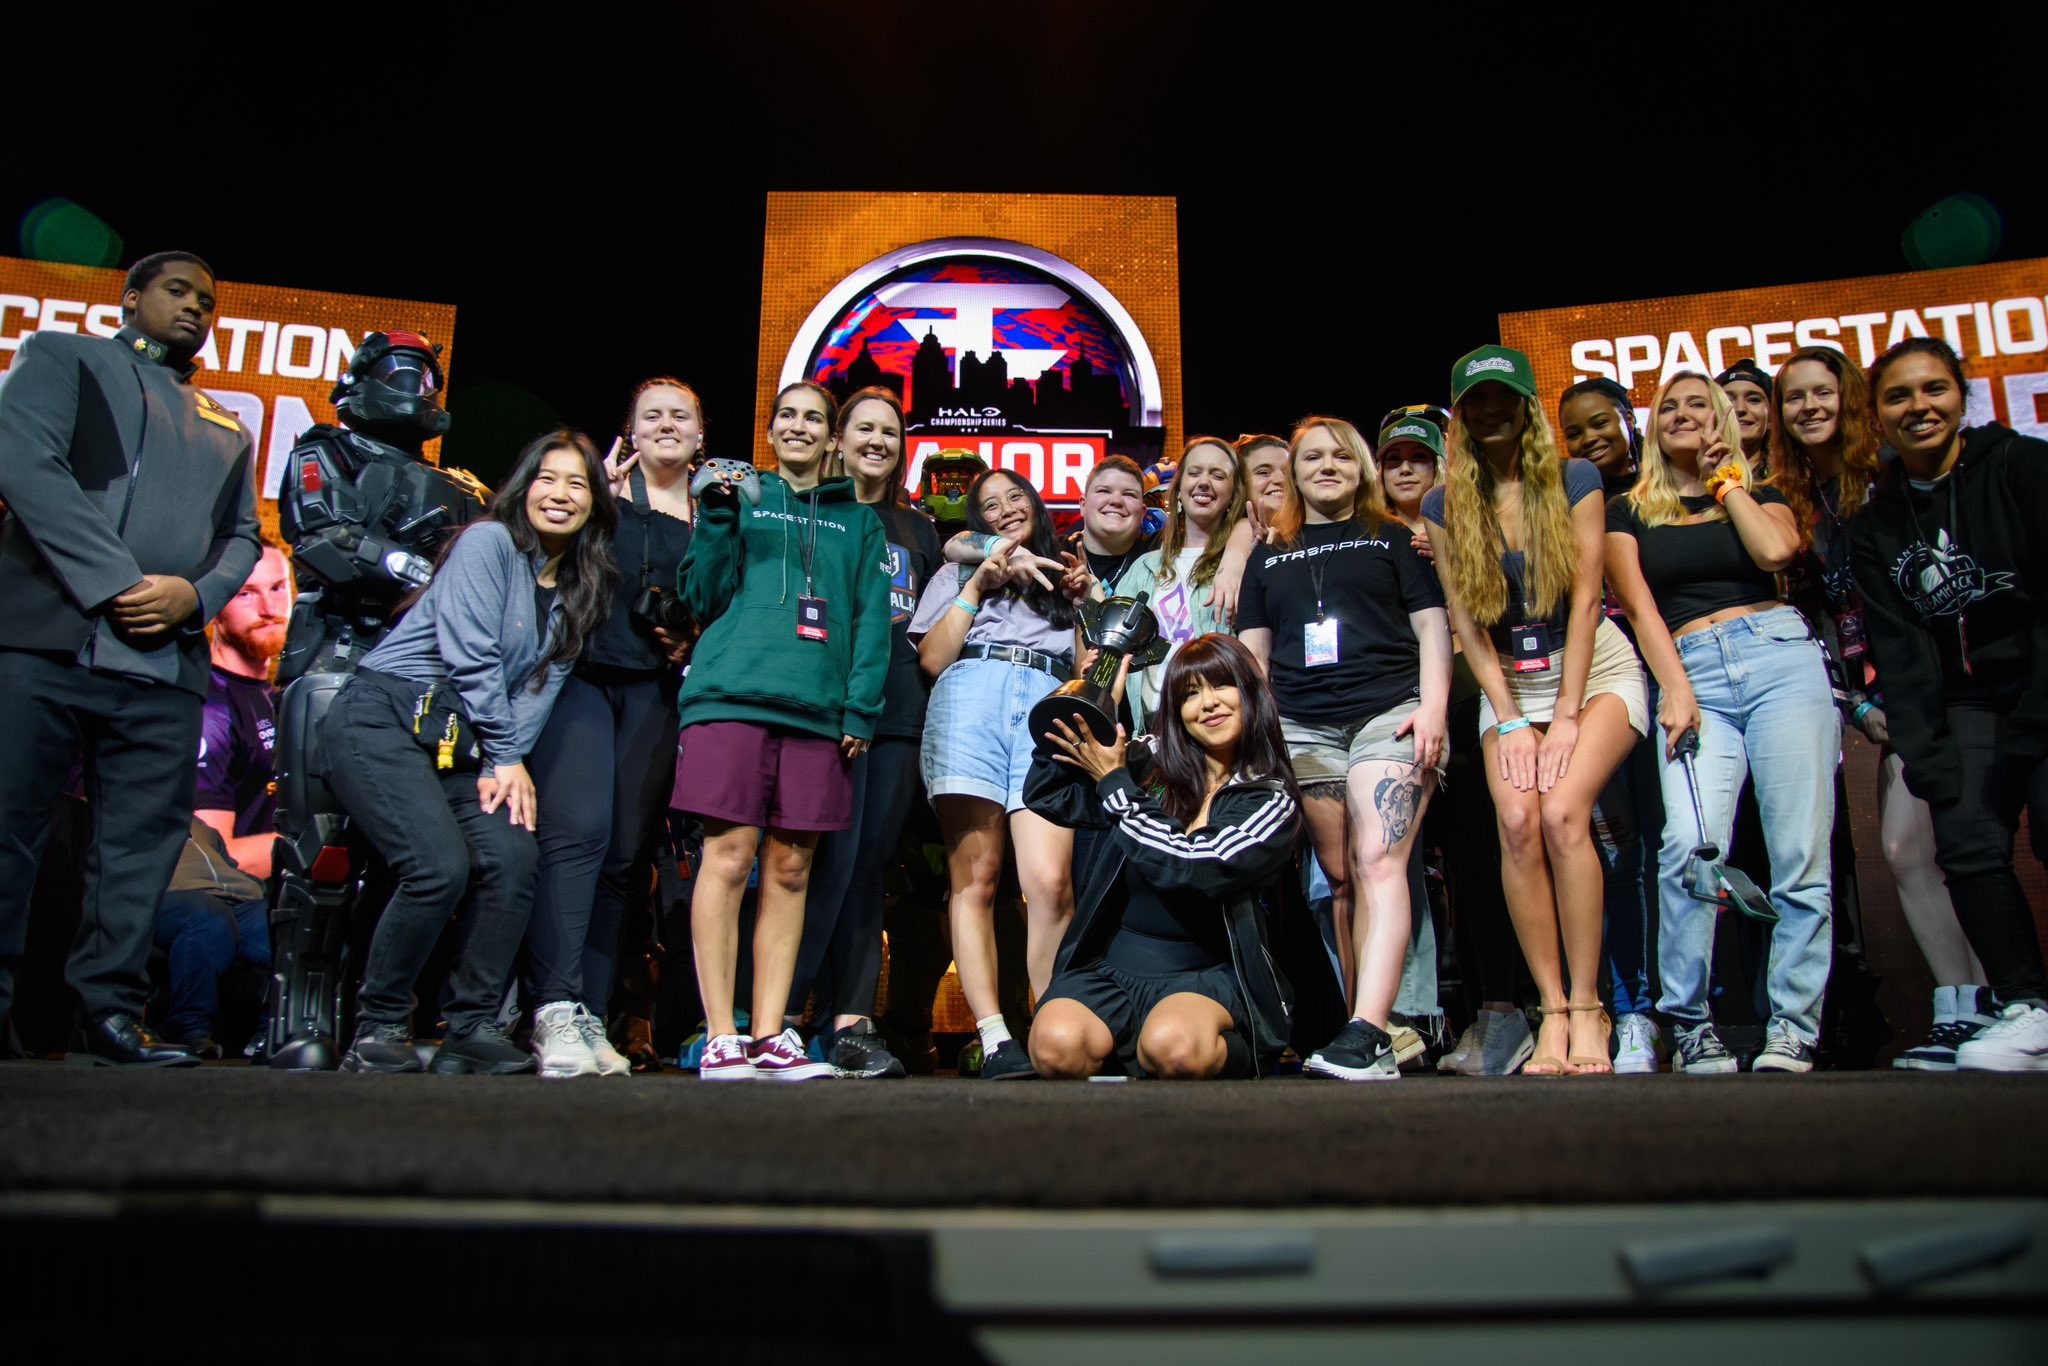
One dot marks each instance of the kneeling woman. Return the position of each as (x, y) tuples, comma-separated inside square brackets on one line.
[(495, 633), (1165, 963)]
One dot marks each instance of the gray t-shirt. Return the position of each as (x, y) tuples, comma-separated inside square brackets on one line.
[(1003, 620)]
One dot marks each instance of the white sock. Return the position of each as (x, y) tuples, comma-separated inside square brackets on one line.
[(994, 1033)]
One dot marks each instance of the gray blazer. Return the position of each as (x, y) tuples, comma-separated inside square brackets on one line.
[(476, 626), (113, 466)]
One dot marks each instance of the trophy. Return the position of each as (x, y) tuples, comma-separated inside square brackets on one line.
[(1116, 628)]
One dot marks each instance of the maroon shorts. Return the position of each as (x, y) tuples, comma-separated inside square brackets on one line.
[(763, 776)]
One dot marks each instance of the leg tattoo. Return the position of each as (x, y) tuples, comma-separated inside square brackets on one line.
[(1397, 800)]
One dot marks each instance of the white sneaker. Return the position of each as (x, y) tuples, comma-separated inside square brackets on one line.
[(1635, 1052), (559, 1044), (2016, 1042), (610, 1061), (1509, 1043), (1469, 1043)]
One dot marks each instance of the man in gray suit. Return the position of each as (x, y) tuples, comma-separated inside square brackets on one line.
[(130, 520)]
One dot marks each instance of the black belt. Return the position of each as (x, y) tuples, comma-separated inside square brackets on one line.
[(1056, 665)]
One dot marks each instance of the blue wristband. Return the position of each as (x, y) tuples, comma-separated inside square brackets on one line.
[(1862, 710), (972, 609), (1510, 727)]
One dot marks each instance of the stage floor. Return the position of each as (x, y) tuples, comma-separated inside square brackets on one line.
[(939, 1144)]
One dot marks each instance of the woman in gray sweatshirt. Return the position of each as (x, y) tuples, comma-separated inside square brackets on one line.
[(426, 748)]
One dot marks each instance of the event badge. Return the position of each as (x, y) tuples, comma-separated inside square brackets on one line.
[(810, 618), (1532, 647), (1319, 642), (1849, 627)]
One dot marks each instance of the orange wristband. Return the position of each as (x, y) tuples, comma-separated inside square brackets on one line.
[(1725, 481)]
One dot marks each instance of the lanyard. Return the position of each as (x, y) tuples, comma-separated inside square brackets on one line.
[(810, 544)]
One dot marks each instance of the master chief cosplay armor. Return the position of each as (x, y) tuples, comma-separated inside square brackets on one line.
[(364, 516)]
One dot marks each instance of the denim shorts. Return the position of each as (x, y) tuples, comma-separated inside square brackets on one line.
[(976, 740)]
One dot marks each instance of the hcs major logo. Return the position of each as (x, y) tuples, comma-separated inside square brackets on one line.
[(992, 347)]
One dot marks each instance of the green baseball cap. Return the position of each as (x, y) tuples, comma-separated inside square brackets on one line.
[(1500, 364), (1419, 430)]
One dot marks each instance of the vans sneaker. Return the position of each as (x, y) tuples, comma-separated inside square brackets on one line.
[(1362, 1051), (782, 1059), (728, 1057), (1636, 1040), (1509, 1044), (1959, 1013), (1783, 1052), (1698, 1051), (559, 1044), (2017, 1041)]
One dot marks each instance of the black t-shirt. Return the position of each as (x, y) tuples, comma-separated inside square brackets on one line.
[(655, 542), (1158, 936), (237, 737), (1371, 581), (1110, 568), (915, 554), (1696, 569)]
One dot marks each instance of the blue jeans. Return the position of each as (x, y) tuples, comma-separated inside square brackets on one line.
[(204, 935), (1765, 707)]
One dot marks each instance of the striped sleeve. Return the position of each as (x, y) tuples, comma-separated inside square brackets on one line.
[(1253, 844)]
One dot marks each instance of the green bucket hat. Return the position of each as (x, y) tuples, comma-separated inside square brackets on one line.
[(1500, 364)]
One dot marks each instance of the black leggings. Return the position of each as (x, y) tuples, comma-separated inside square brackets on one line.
[(602, 770), (841, 954), (1973, 843)]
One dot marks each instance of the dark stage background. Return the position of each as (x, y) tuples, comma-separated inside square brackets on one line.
[(1360, 195)]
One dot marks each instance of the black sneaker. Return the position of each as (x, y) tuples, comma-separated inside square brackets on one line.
[(1362, 1051), (858, 1051), (381, 1048), (1008, 1063), (1697, 1051), (484, 1051)]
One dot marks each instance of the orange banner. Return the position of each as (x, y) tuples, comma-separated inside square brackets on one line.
[(1996, 317), (271, 359)]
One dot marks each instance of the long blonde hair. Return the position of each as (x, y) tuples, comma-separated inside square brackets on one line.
[(1369, 509), (1655, 496), (1175, 539), (1477, 542)]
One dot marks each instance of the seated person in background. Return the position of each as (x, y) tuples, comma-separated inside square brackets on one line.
[(213, 916), (213, 913), (1164, 963), (238, 729)]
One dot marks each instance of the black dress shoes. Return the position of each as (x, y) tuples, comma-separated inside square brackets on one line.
[(124, 1041)]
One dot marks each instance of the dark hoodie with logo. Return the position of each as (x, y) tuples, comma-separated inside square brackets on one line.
[(744, 575), (1956, 599)]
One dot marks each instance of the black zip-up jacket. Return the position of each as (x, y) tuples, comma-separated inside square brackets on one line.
[(114, 465), (1249, 840), (1952, 581)]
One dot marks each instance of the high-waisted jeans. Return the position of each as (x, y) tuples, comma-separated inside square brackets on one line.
[(1765, 707)]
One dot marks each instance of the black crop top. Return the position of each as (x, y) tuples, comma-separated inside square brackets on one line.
[(1695, 569)]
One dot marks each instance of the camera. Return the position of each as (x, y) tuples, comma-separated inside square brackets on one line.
[(658, 609)]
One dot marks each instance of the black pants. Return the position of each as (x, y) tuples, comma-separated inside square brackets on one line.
[(430, 829), (603, 769), (841, 953), (1973, 840), (140, 747)]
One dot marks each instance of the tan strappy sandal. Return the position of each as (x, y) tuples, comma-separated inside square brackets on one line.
[(1549, 1065), (1587, 1064)]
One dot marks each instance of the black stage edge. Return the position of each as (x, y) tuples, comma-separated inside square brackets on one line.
[(233, 1214)]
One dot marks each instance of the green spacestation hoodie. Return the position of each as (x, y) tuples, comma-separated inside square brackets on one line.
[(743, 576)]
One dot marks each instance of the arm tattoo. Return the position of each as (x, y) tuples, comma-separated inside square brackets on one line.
[(979, 541), (1397, 800)]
